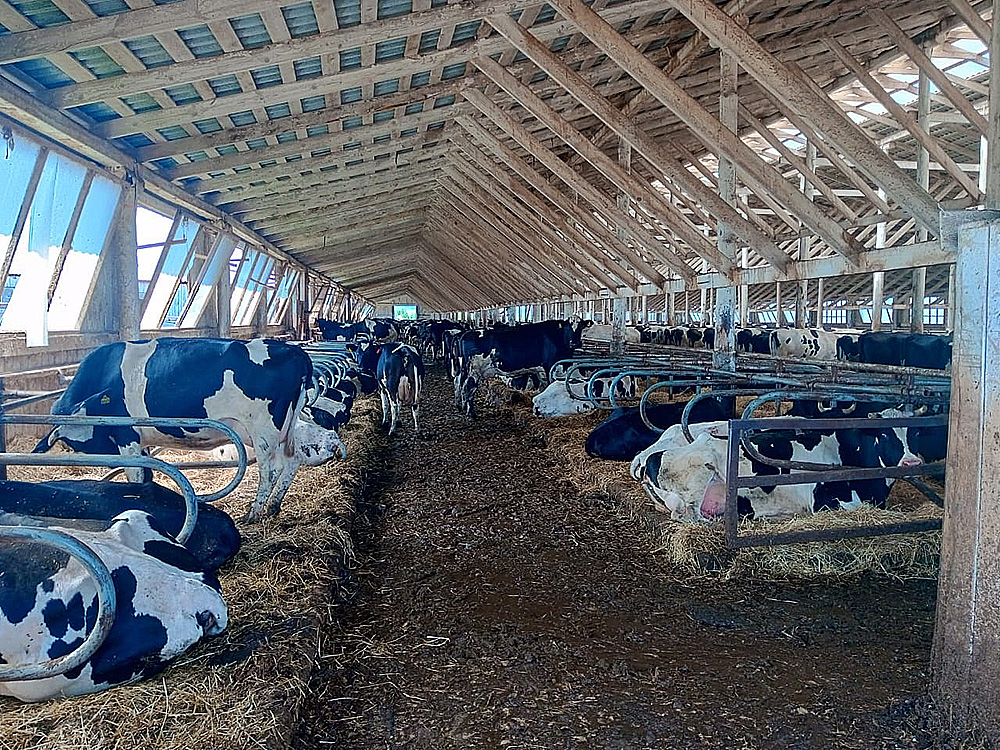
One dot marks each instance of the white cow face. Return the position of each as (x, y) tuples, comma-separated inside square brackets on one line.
[(687, 484), (554, 401), (315, 445)]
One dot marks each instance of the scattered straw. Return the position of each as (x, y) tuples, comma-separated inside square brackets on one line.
[(246, 688)]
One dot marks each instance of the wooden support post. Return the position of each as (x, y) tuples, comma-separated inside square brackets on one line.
[(779, 314), (819, 302), (126, 256), (993, 155), (687, 307), (617, 326), (917, 298), (878, 299), (724, 354), (802, 304), (644, 310), (966, 653), (670, 302), (952, 292), (223, 303)]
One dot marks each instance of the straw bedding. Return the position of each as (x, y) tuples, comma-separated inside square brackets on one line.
[(693, 550), (244, 689)]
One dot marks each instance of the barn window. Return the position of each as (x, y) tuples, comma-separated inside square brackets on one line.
[(204, 278), (167, 289)]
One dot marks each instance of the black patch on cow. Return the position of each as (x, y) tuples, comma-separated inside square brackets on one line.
[(623, 434), (214, 541), (59, 616), (135, 641), (23, 566)]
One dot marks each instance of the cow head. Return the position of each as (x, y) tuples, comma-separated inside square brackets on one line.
[(686, 481), (554, 401), (316, 445)]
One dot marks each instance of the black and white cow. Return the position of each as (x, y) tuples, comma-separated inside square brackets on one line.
[(48, 603), (257, 387), (501, 351), (400, 380), (213, 542), (557, 401), (905, 349), (754, 340), (810, 343), (331, 330), (688, 480), (623, 434)]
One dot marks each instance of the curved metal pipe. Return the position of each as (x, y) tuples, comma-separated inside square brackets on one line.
[(106, 603)]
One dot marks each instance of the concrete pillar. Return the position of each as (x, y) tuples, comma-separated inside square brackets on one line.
[(724, 355), (917, 300), (124, 247), (966, 653), (802, 304), (670, 302), (777, 301), (819, 303), (878, 299), (223, 308), (644, 313), (618, 327)]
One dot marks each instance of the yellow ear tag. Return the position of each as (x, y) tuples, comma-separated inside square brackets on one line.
[(105, 399)]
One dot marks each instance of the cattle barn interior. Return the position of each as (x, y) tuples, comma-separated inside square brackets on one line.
[(771, 211)]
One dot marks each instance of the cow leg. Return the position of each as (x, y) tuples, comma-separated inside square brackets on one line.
[(268, 473), (394, 407), (285, 476), (385, 405)]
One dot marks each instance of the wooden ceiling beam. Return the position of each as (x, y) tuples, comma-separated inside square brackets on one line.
[(706, 126), (661, 161), (574, 181), (507, 223), (575, 259), (787, 84), (641, 192), (296, 167), (573, 212), (280, 191)]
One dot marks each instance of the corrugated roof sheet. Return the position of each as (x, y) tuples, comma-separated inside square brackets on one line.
[(392, 49), (97, 111), (313, 103), (348, 12), (210, 125), (139, 103), (300, 20), (40, 12), (225, 85), (390, 8), (44, 73), (107, 7), (243, 118), (266, 77), (250, 30), (97, 61), (310, 67), (350, 58), (183, 94), (277, 111), (200, 40), (149, 51)]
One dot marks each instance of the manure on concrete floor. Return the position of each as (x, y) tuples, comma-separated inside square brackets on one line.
[(498, 608)]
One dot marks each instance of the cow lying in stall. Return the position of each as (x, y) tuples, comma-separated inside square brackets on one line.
[(557, 401), (687, 480), (257, 387), (165, 604), (213, 542)]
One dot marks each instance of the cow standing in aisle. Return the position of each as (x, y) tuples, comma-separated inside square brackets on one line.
[(400, 377), (165, 604), (257, 387)]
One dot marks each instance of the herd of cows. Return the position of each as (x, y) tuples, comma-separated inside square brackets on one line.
[(288, 404)]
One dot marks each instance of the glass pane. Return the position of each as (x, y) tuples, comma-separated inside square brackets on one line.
[(51, 210), (173, 267), (81, 261), (242, 281), (15, 172), (255, 290), (216, 264)]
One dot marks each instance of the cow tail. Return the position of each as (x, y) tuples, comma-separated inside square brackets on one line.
[(46, 442)]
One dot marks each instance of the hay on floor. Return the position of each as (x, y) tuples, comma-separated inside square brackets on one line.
[(700, 549), (245, 688)]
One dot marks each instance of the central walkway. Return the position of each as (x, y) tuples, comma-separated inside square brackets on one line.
[(498, 608)]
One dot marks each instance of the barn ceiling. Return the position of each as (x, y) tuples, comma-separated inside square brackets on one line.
[(478, 153)]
